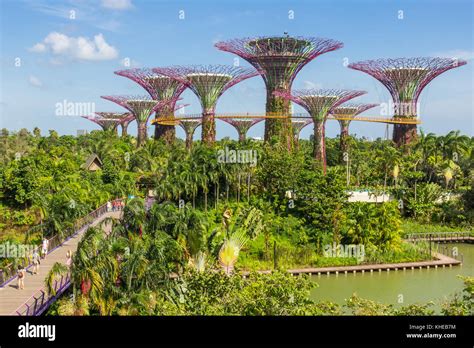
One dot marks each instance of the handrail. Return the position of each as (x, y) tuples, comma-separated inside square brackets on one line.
[(41, 299), (276, 115), (438, 235), (7, 273), (41, 294)]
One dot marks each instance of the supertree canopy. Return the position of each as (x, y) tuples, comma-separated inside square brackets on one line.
[(278, 59), (318, 103), (108, 121), (405, 78), (297, 126), (125, 121), (344, 115), (208, 82), (189, 126), (159, 87), (242, 125), (141, 108)]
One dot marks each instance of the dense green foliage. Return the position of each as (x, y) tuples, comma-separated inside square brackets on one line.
[(209, 216)]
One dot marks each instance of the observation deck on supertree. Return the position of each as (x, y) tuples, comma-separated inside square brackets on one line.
[(141, 108), (405, 78), (344, 114), (319, 103), (208, 82), (159, 87), (241, 125), (279, 59)]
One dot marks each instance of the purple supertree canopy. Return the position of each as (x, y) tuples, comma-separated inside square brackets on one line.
[(128, 117), (319, 102), (104, 123), (298, 125), (208, 82), (140, 106), (108, 120), (279, 59), (159, 87), (242, 125), (351, 110), (189, 126), (405, 78)]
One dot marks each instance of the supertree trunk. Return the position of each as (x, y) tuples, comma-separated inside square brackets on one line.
[(242, 135), (208, 135), (189, 141), (404, 134), (344, 140), (319, 147), (124, 130), (279, 128), (142, 133), (165, 132)]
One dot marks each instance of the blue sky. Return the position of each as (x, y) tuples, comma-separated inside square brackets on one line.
[(50, 54)]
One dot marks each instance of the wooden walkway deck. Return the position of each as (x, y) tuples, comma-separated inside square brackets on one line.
[(467, 239), (11, 297), (441, 261)]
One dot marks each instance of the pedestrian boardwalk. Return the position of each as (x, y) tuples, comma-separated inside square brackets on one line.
[(11, 298), (440, 261)]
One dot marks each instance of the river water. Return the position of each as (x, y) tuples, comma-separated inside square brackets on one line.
[(398, 287)]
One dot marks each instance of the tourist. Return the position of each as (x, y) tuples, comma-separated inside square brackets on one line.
[(69, 258), (21, 277), (36, 261), (44, 248), (109, 206)]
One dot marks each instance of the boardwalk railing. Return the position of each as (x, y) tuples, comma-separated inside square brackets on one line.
[(439, 236), (41, 300), (8, 272)]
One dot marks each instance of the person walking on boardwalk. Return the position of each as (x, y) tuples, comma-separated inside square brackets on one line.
[(21, 277), (69, 258), (36, 261), (44, 248)]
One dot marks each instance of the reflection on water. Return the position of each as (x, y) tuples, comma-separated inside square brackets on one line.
[(414, 285)]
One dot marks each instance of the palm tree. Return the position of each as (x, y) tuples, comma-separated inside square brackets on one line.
[(58, 270)]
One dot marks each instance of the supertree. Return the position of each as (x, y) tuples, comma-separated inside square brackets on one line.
[(297, 126), (208, 82), (405, 78), (108, 121), (159, 87), (189, 126), (141, 107), (242, 125), (278, 59), (125, 121), (319, 103), (344, 114)]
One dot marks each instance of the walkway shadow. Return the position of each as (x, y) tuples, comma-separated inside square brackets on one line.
[(13, 286)]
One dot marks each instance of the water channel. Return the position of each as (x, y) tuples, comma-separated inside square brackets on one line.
[(415, 286)]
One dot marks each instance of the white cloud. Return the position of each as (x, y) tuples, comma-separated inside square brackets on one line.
[(311, 85), (81, 48), (34, 81), (459, 54), (117, 4), (38, 48)]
